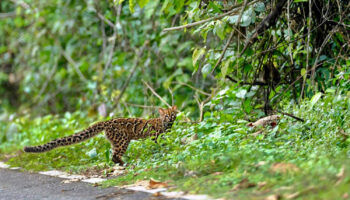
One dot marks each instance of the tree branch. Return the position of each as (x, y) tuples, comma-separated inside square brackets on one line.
[(266, 23), (114, 39), (21, 3), (141, 106), (7, 15), (231, 36), (246, 83), (193, 88), (154, 92), (105, 20), (138, 57), (71, 61), (234, 9), (307, 49)]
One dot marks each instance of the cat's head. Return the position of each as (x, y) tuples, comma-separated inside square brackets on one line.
[(169, 114)]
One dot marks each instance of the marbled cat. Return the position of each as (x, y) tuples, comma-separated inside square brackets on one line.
[(119, 132)]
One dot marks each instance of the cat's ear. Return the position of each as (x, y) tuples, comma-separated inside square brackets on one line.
[(174, 108), (161, 111)]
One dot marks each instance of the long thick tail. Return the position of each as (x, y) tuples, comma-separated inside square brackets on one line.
[(76, 138)]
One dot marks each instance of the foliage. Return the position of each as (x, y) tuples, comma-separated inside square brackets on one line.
[(224, 153), (281, 57), (68, 58), (78, 55)]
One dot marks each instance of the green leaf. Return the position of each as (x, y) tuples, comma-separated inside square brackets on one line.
[(330, 90), (167, 82), (259, 7), (215, 7), (132, 5), (3, 77), (322, 58), (247, 68), (206, 69), (248, 18), (92, 153), (315, 98), (241, 93), (197, 53), (225, 68), (297, 1), (142, 3), (179, 4), (247, 105), (220, 29), (186, 62), (170, 62), (232, 19), (303, 72), (165, 6), (107, 152)]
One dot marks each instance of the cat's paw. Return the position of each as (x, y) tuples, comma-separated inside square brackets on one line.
[(117, 160)]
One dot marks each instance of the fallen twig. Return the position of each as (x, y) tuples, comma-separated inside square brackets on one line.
[(292, 116)]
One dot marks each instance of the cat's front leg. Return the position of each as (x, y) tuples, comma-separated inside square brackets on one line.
[(117, 159), (119, 148)]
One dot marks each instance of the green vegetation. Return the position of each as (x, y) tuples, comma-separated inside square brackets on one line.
[(67, 64), (224, 154)]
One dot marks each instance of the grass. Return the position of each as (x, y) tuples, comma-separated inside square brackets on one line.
[(293, 160), (308, 184)]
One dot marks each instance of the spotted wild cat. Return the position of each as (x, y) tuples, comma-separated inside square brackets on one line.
[(119, 132)]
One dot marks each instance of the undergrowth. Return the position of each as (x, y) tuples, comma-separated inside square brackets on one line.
[(219, 156)]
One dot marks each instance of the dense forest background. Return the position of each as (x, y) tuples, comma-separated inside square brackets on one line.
[(65, 64), (59, 56)]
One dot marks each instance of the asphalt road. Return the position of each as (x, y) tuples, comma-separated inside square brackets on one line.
[(16, 185)]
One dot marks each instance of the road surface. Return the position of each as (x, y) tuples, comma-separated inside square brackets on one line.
[(16, 185)]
